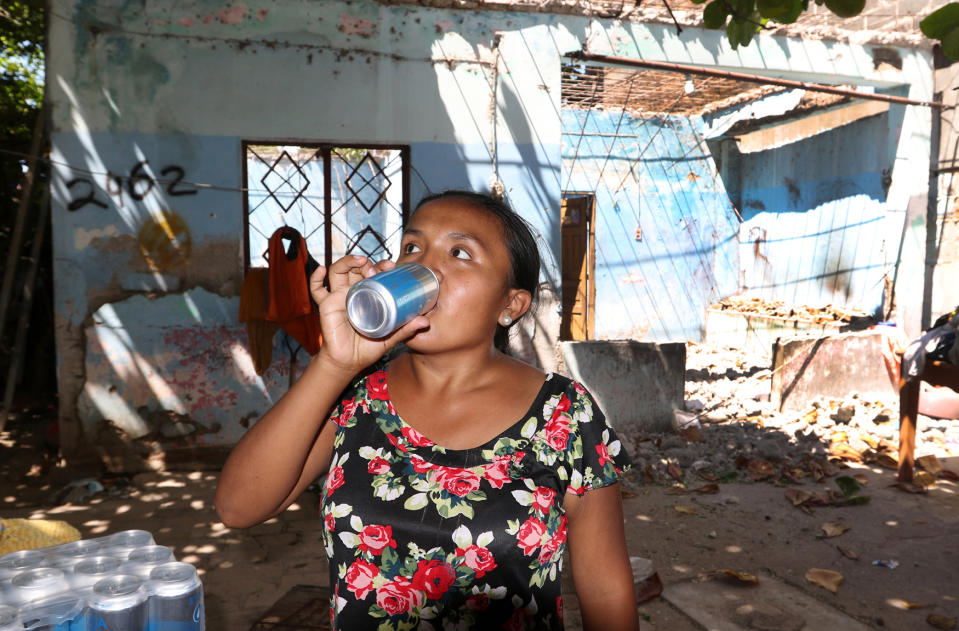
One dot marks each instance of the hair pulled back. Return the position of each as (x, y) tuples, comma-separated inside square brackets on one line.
[(520, 245)]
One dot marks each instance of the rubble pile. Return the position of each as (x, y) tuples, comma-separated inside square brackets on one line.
[(731, 431), (779, 309)]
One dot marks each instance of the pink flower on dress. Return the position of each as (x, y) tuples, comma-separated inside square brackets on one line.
[(376, 386), (359, 578), (561, 407), (497, 472), (397, 442), (559, 608), (543, 498), (478, 559), (557, 432), (330, 522), (349, 407), (374, 539), (478, 602), (416, 439), (459, 482), (603, 452), (334, 480), (530, 535), (398, 596), (420, 465), (378, 465), (516, 622), (579, 387), (433, 577)]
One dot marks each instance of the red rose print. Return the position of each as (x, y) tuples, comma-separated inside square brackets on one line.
[(477, 602), (516, 622), (330, 522), (603, 452), (416, 439), (396, 442), (359, 578), (497, 472), (420, 465), (548, 550), (543, 499), (398, 596), (374, 539), (557, 432), (334, 480), (376, 386), (459, 482), (579, 387), (561, 408), (478, 559), (433, 577), (378, 465), (559, 608), (530, 535), (349, 407)]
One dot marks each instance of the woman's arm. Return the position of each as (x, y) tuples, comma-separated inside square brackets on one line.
[(292, 444), (600, 561)]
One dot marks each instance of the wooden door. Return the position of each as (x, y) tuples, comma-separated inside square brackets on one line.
[(579, 291)]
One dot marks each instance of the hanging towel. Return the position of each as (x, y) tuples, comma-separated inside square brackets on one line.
[(290, 305), (254, 301)]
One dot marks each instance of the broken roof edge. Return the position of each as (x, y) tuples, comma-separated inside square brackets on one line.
[(816, 27)]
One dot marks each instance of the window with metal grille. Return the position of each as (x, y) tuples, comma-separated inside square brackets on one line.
[(343, 199)]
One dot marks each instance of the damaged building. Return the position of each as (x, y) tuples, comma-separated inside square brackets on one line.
[(185, 134)]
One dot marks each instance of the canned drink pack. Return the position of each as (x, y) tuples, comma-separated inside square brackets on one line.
[(121, 582), (378, 305), (176, 598), (117, 603)]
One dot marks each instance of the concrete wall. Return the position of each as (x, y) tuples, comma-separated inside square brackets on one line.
[(151, 103)]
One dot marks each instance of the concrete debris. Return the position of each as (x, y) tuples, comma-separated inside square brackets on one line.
[(740, 436)]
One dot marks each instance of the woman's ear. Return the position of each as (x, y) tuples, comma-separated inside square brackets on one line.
[(518, 303)]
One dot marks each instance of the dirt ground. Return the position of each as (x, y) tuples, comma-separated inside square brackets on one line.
[(745, 527)]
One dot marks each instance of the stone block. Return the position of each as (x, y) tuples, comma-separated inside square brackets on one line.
[(836, 366), (637, 384)]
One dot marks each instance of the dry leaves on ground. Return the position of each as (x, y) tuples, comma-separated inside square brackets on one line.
[(849, 554), (686, 510), (827, 579), (834, 528), (743, 577), (941, 622)]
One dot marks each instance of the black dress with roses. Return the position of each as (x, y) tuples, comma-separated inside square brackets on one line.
[(423, 537)]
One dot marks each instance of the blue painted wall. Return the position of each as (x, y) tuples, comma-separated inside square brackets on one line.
[(655, 176)]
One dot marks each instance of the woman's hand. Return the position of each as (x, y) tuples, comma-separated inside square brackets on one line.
[(344, 347)]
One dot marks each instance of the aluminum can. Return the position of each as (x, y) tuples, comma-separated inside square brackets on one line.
[(34, 584), (121, 544), (67, 555), (142, 560), (117, 603), (13, 563), (88, 572), (10, 619), (378, 305), (56, 613), (176, 598)]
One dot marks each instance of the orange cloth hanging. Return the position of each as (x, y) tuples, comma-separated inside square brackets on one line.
[(254, 301), (290, 305)]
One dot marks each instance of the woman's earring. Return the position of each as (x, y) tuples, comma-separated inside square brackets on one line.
[(507, 320)]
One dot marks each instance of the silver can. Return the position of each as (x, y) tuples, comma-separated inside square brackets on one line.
[(117, 603), (121, 544), (176, 598), (142, 560), (15, 562), (34, 584), (378, 305), (67, 555), (90, 571)]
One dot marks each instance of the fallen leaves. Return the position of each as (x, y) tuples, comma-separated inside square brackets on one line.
[(742, 577), (827, 579), (941, 622), (899, 603), (686, 510), (834, 528), (849, 554), (930, 464)]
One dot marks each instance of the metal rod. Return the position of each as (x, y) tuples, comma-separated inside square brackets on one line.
[(749, 78)]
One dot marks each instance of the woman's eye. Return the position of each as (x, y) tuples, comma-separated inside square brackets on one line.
[(460, 253), (410, 248)]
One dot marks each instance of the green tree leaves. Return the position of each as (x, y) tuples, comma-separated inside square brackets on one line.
[(943, 24)]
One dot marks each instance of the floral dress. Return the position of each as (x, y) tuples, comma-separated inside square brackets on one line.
[(423, 537)]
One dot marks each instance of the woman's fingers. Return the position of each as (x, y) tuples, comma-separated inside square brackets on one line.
[(348, 270), (317, 290)]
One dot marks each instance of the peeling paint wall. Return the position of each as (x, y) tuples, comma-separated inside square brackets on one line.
[(152, 102)]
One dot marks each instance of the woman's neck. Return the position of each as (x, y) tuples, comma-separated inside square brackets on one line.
[(458, 371)]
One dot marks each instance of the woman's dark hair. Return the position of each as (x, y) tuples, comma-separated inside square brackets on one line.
[(520, 244)]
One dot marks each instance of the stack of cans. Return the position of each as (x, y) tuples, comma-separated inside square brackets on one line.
[(120, 582)]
